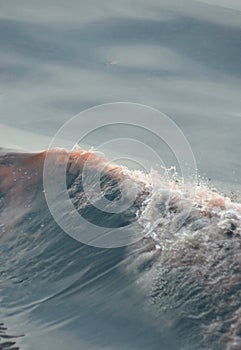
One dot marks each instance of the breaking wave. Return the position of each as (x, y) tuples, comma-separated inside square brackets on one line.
[(183, 269)]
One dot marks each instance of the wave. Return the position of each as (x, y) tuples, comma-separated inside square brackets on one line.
[(184, 269)]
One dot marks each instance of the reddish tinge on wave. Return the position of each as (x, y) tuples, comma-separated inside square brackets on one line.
[(21, 178)]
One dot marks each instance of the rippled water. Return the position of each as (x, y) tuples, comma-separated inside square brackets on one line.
[(58, 58)]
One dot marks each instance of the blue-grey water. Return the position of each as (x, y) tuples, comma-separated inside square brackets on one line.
[(58, 58)]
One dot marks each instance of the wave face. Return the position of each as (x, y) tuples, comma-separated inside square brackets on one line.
[(177, 287)]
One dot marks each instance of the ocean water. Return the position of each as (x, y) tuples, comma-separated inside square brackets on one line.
[(178, 286)]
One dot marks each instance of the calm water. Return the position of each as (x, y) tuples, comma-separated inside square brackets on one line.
[(58, 58)]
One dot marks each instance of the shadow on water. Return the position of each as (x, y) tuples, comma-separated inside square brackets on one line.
[(7, 342)]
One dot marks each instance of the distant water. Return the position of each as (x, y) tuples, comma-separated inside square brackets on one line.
[(169, 291), (183, 59)]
